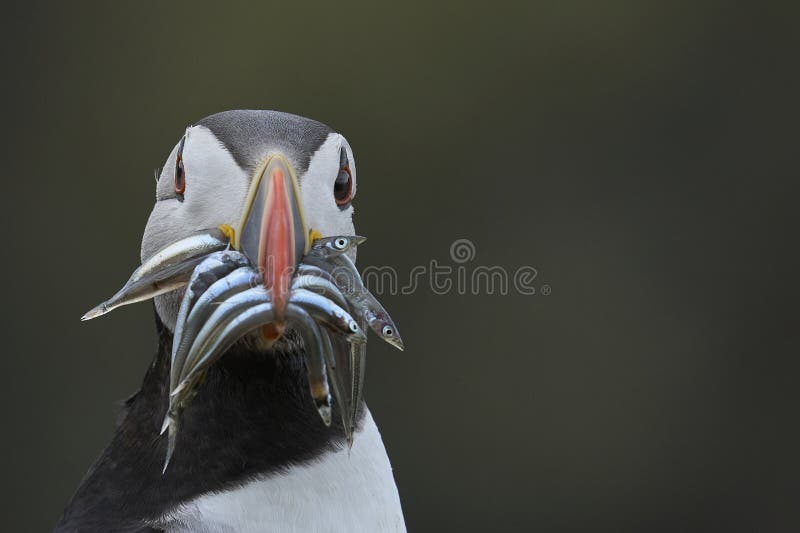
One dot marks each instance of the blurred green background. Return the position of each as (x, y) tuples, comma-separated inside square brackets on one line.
[(641, 155)]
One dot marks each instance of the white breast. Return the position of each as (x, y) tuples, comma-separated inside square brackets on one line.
[(339, 491)]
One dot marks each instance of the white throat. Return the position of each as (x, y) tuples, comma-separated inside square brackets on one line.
[(340, 491)]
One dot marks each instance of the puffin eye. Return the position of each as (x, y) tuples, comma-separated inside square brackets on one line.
[(180, 173), (343, 187)]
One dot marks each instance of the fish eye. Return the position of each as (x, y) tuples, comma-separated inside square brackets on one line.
[(180, 173), (340, 243), (343, 187), (387, 331)]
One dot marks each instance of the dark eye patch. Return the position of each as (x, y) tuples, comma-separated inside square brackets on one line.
[(343, 186), (180, 172)]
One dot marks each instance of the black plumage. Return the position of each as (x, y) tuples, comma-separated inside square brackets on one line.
[(252, 415)]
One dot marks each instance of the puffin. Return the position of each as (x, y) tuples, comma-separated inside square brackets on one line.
[(252, 454)]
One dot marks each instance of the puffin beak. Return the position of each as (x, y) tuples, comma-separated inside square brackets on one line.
[(272, 233)]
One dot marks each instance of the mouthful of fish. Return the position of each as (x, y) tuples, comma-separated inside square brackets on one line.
[(266, 280)]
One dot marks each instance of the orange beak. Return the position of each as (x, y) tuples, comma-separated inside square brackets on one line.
[(273, 233)]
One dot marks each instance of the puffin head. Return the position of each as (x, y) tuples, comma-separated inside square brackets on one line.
[(277, 180)]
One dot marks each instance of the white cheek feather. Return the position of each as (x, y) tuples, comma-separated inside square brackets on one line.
[(316, 189), (339, 491), (215, 189)]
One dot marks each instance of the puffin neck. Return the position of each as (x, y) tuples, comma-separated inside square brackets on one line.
[(253, 416)]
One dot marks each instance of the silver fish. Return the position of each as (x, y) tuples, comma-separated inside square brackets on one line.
[(322, 286), (332, 348), (318, 280), (224, 333), (314, 340), (328, 247), (381, 323), (358, 368), (225, 301), (226, 312), (210, 267), (214, 268), (326, 311), (346, 277), (166, 270), (237, 281), (182, 392)]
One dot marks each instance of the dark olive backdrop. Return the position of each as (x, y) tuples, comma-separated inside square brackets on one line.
[(641, 155)]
